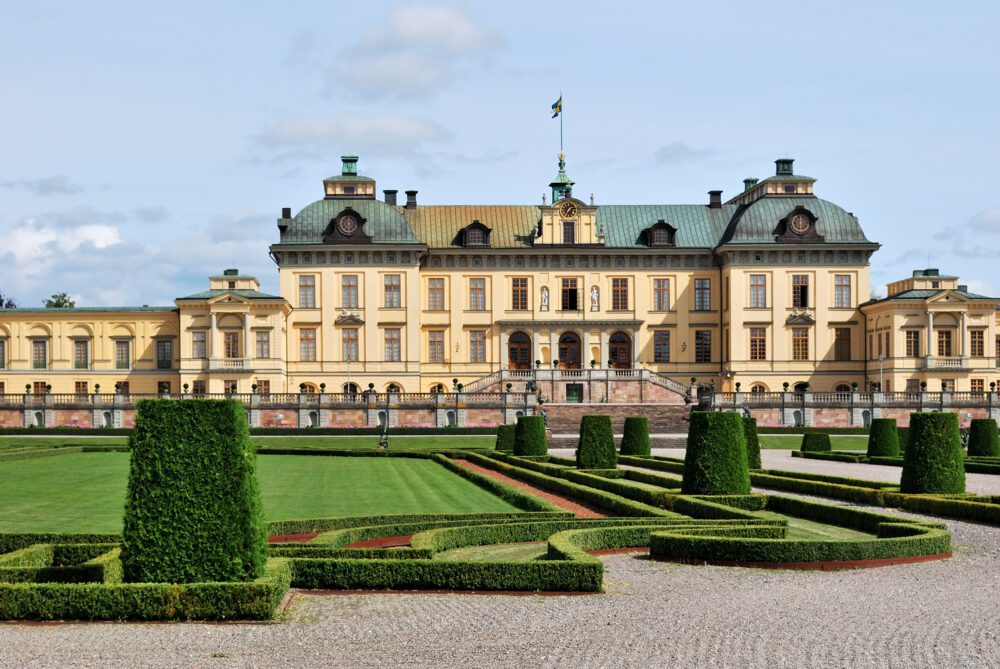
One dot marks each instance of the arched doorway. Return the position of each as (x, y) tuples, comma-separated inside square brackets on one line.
[(620, 351), (801, 387), (519, 351), (569, 350)]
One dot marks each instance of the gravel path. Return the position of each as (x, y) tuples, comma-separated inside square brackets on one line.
[(936, 614)]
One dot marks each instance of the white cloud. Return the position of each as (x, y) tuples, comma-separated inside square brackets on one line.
[(677, 152), (58, 184), (987, 220), (980, 287)]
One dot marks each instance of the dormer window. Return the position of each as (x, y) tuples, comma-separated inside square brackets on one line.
[(661, 233), (662, 237), (475, 236), (790, 189)]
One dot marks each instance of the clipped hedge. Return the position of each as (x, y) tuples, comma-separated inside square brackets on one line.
[(753, 442), (192, 514), (529, 436), (505, 438), (836, 456), (816, 442), (933, 460), (984, 440), (883, 438), (716, 458), (635, 436), (596, 448)]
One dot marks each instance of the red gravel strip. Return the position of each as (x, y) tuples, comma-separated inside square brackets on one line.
[(383, 542), (291, 538), (579, 510)]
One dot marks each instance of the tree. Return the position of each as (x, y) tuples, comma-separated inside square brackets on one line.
[(59, 301), (7, 302)]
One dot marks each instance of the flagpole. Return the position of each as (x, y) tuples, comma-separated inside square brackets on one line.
[(560, 123)]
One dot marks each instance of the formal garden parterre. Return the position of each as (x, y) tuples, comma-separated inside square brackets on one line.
[(193, 544)]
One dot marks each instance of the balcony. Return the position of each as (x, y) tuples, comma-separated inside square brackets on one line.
[(932, 362)]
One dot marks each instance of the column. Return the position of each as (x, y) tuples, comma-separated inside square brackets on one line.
[(503, 360), (930, 333), (962, 346), (211, 340), (635, 348), (246, 336), (553, 346), (605, 354)]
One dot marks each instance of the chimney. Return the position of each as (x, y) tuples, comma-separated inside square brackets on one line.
[(964, 288), (411, 199), (715, 199), (390, 197), (749, 183), (783, 167), (286, 212)]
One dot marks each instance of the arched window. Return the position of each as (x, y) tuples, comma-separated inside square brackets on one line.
[(570, 350), (620, 350), (351, 389), (519, 351), (308, 388), (758, 388), (842, 388), (393, 388)]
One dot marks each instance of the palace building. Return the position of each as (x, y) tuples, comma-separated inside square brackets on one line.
[(577, 301)]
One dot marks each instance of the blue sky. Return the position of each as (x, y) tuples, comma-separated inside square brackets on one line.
[(149, 145)]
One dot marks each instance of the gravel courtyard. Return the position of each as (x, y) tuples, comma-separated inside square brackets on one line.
[(937, 614)]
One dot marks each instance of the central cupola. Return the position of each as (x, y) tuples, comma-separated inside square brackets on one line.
[(562, 187), (349, 184)]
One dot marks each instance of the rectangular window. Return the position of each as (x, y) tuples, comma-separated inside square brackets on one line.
[(477, 294), (163, 387), (263, 387), (3, 388), (307, 344), (842, 291), (800, 343), (81, 354), (661, 294), (39, 387), (842, 344), (435, 294), (198, 388), (164, 354), (231, 343), (392, 345), (229, 386), (123, 389), (758, 291), (519, 294), (702, 295), (123, 354), (569, 295), (393, 291), (912, 343), (81, 389), (349, 291), (703, 346), (944, 343), (977, 386), (3, 355), (619, 294), (758, 343), (39, 354), (307, 291), (262, 341), (477, 346), (661, 346), (977, 343), (350, 344), (878, 338), (435, 346), (800, 291), (569, 232), (199, 350)]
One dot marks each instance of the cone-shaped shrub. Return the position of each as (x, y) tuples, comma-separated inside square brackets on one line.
[(635, 438), (883, 438), (933, 462), (983, 438), (193, 512), (753, 443), (716, 458), (815, 441), (596, 449), (529, 436), (505, 438)]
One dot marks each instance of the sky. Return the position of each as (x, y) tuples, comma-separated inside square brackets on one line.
[(146, 146)]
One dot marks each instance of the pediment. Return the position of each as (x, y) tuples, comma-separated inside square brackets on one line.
[(349, 319), (800, 318), (229, 298), (948, 296)]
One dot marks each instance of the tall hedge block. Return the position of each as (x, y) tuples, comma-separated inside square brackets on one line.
[(193, 510), (984, 440), (933, 461), (596, 449), (753, 443), (816, 441), (529, 436), (883, 438), (716, 458), (635, 437), (505, 438)]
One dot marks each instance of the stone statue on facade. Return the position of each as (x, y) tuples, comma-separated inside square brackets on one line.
[(545, 298), (595, 299)]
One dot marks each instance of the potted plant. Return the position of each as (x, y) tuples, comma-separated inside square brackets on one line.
[(784, 386), (253, 387), (509, 386), (593, 364), (738, 384), (460, 386), (555, 363), (97, 388), (923, 385), (854, 386), (538, 363)]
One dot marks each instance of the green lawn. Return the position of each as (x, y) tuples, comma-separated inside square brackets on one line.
[(85, 492), (840, 442), (408, 443), (519, 552)]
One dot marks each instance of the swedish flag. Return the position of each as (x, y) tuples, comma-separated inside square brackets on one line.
[(557, 107)]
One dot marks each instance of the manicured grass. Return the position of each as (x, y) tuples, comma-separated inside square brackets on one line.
[(520, 552), (85, 492), (52, 442), (402, 443), (841, 442), (802, 529)]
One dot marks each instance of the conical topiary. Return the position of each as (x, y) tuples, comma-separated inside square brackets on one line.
[(984, 440), (753, 442), (716, 458), (529, 436), (505, 438), (596, 449), (933, 462), (816, 442), (883, 438), (635, 436)]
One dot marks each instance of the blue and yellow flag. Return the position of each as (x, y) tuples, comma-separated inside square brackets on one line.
[(557, 107)]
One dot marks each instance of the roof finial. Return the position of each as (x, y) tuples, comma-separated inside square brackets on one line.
[(543, 199), (591, 199)]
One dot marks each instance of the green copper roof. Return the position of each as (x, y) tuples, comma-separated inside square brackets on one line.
[(242, 292), (788, 177), (926, 294), (85, 310), (348, 177), (697, 225), (757, 223), (384, 223)]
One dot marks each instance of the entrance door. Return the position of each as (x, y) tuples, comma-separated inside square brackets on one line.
[(574, 393), (519, 351), (569, 351), (620, 350)]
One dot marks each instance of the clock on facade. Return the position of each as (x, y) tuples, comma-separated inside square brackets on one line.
[(347, 224), (799, 224), (567, 210)]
